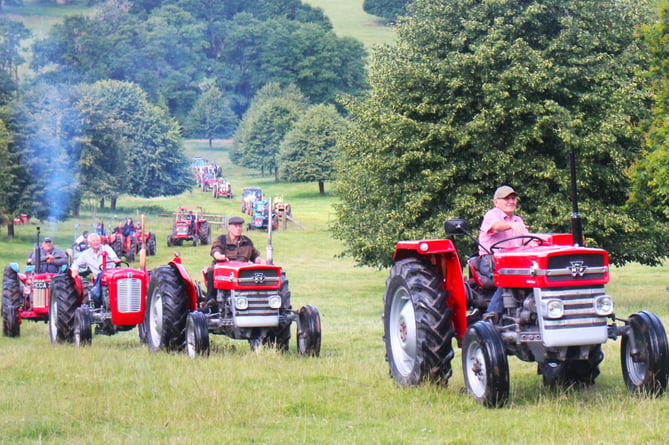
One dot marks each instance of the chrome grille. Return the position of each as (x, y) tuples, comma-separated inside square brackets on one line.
[(258, 304), (129, 291), (259, 277), (579, 311), (40, 296)]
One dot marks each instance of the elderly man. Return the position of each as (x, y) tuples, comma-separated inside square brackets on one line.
[(92, 258), (51, 259), (500, 223)]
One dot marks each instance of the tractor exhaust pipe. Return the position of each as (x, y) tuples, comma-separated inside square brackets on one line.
[(576, 225), (269, 251), (37, 256)]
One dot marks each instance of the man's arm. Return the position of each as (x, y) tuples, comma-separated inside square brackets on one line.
[(59, 257)]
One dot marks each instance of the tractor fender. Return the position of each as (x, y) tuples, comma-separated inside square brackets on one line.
[(189, 285), (443, 254)]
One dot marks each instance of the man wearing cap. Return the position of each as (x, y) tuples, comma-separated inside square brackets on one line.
[(51, 258), (500, 223), (232, 246)]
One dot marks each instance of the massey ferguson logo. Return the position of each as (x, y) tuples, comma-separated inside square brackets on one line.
[(259, 277), (577, 268)]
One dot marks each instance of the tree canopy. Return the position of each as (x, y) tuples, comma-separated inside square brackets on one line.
[(479, 94)]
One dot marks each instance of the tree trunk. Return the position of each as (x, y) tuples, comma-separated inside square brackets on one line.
[(276, 174), (76, 208), (321, 188), (10, 229), (210, 142), (102, 203), (262, 171), (114, 199)]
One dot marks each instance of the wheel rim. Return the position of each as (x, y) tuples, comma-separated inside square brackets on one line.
[(475, 369), (53, 316), (190, 338), (156, 320), (403, 331), (637, 369)]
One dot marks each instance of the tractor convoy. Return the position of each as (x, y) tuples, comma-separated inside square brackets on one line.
[(557, 312)]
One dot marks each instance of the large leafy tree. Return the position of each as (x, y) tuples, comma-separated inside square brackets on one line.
[(388, 9), (478, 94), (651, 173), (211, 117), (307, 152), (271, 115)]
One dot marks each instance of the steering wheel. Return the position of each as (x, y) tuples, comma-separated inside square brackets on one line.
[(109, 263), (528, 239)]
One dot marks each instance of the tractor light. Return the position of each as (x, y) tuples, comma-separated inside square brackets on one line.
[(241, 303), (423, 247), (554, 309), (274, 302), (603, 305)]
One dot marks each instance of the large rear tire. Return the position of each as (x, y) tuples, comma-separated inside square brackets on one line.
[(309, 337), (485, 365), (63, 304), (197, 335), (11, 303), (418, 329), (83, 334), (166, 310), (205, 233), (151, 244), (645, 371)]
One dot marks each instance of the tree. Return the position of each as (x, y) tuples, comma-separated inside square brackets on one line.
[(307, 152), (479, 94), (211, 117), (263, 127), (651, 173), (11, 35), (388, 9)]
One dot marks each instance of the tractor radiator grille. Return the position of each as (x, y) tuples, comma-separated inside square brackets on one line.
[(579, 310), (258, 277), (576, 267), (257, 306), (129, 295), (41, 296)]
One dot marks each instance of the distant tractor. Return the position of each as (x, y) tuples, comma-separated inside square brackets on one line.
[(261, 216), (249, 196), (221, 189), (190, 224)]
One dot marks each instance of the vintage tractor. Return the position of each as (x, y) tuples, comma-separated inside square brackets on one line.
[(124, 246), (121, 307), (190, 224), (221, 189), (25, 296), (262, 218), (252, 302), (249, 196), (556, 313)]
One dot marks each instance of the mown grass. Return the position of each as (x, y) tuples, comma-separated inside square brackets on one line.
[(116, 391)]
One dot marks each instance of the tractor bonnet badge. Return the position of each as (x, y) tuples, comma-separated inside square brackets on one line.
[(259, 277), (577, 268)]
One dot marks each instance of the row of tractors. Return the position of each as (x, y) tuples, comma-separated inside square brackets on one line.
[(264, 213), (208, 177), (169, 308)]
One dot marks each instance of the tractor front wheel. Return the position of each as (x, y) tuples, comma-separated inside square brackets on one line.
[(309, 337), (11, 303), (485, 365), (645, 355), (166, 310), (197, 335), (418, 329), (83, 334)]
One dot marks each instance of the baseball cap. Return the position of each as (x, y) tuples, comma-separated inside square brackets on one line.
[(504, 191), (48, 240)]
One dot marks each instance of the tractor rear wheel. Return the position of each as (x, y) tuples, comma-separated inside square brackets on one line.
[(63, 304), (418, 330), (645, 370), (166, 310), (205, 233), (485, 365), (11, 303), (151, 244), (197, 335), (83, 334), (309, 337)]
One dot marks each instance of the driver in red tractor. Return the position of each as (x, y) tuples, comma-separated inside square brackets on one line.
[(499, 223), (92, 259), (51, 258)]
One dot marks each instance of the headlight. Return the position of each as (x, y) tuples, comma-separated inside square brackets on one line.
[(241, 303), (603, 305), (554, 309), (274, 302)]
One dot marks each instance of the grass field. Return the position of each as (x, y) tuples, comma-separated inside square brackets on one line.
[(116, 391)]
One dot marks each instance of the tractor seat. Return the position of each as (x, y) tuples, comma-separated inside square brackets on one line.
[(481, 269)]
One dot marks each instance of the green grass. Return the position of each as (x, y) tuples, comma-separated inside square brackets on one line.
[(116, 391)]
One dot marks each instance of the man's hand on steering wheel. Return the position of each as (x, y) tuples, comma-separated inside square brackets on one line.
[(528, 239)]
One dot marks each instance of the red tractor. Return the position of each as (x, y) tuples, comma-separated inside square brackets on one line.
[(252, 302), (189, 225), (556, 313), (73, 311), (25, 296), (221, 189)]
